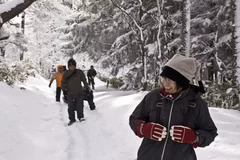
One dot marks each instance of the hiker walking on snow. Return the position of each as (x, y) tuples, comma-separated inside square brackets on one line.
[(58, 78), (175, 119), (91, 74), (64, 92), (88, 96), (72, 85)]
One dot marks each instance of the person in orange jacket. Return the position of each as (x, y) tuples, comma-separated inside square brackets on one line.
[(58, 78)]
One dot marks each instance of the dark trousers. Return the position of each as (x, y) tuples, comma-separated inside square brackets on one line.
[(107, 84), (91, 82), (90, 102), (65, 96), (58, 94), (75, 102)]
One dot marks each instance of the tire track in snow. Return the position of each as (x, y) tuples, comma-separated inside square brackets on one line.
[(70, 137), (96, 137), (81, 148), (77, 147)]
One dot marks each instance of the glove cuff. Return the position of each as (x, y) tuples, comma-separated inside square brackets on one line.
[(139, 128), (196, 141)]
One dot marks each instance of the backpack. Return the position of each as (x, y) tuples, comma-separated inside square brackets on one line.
[(67, 79)]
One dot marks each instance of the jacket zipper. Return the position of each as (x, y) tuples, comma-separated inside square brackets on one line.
[(169, 120)]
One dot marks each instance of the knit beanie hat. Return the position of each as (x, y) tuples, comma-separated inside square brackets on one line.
[(71, 62), (182, 70)]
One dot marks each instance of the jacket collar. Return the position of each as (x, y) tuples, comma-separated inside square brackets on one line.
[(188, 93), (171, 96)]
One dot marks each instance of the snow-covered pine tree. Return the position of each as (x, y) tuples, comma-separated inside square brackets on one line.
[(212, 43), (234, 96), (109, 37)]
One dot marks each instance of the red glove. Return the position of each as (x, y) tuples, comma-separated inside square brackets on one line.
[(151, 130), (183, 134)]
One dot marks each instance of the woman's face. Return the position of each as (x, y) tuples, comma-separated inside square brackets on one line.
[(169, 85)]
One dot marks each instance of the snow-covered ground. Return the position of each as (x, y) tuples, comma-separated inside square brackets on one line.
[(33, 126)]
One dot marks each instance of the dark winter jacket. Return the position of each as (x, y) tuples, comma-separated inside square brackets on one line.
[(173, 112), (73, 85), (91, 73)]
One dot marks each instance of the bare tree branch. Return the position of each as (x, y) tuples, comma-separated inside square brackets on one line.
[(13, 24), (145, 11), (134, 21), (160, 16), (4, 38), (6, 16), (127, 17)]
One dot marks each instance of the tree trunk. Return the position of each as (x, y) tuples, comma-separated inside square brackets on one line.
[(21, 55), (188, 28), (160, 8), (2, 51), (210, 68), (159, 57), (144, 56), (23, 22), (184, 25), (233, 43)]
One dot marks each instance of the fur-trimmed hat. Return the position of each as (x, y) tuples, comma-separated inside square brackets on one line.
[(182, 70)]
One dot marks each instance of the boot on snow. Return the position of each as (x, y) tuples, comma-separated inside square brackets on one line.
[(71, 122), (81, 119)]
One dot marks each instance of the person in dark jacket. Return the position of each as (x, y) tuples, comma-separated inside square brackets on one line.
[(175, 119), (88, 96), (91, 74), (72, 85)]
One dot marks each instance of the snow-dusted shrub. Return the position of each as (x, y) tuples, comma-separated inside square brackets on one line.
[(222, 95), (116, 82), (10, 73), (19, 73), (113, 82), (5, 73)]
